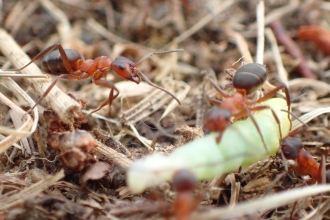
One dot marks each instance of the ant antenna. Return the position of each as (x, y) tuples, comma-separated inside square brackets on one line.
[(296, 117), (164, 52), (293, 100), (242, 57), (154, 85)]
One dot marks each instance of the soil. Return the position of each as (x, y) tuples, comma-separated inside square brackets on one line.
[(59, 161)]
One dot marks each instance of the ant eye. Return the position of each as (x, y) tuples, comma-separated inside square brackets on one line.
[(121, 66)]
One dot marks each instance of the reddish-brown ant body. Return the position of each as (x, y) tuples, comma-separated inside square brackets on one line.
[(184, 183), (247, 80), (316, 34), (71, 65), (292, 148)]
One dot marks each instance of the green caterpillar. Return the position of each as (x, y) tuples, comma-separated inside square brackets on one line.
[(240, 145)]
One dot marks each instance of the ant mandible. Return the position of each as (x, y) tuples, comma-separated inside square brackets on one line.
[(292, 148), (247, 80), (70, 64)]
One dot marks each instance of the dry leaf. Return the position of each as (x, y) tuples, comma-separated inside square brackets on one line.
[(95, 172)]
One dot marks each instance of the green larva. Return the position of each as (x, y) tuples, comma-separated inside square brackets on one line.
[(240, 145)]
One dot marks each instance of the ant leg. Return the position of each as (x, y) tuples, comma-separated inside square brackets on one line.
[(298, 130), (63, 76), (247, 111), (106, 102), (280, 153), (259, 108), (271, 94), (112, 87), (64, 57), (218, 138), (215, 85), (44, 52), (158, 87)]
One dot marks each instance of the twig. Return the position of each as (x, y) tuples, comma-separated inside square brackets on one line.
[(292, 48), (201, 104), (146, 142), (63, 105), (282, 73), (29, 192), (15, 135), (240, 43), (266, 203), (111, 156), (14, 144), (13, 15), (18, 91), (277, 14), (177, 16), (261, 29), (19, 14), (201, 23), (63, 27), (15, 117), (10, 74), (94, 25)]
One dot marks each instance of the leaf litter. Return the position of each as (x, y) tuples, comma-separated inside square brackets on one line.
[(37, 183)]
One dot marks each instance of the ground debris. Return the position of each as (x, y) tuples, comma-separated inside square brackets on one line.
[(85, 158)]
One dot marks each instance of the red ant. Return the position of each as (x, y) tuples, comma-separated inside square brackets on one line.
[(184, 182), (247, 80), (292, 148), (71, 65), (316, 34)]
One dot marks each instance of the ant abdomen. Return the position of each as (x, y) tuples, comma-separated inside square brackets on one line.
[(250, 78), (53, 63)]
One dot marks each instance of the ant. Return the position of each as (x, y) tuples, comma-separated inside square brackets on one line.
[(316, 34), (292, 148), (71, 65), (184, 183), (247, 80)]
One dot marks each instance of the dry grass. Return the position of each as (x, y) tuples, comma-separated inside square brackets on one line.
[(44, 164)]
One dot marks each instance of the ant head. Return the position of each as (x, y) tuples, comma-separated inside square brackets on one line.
[(126, 69), (217, 119), (290, 147), (250, 78), (184, 180)]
